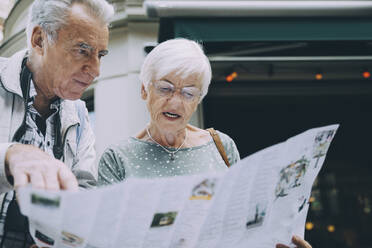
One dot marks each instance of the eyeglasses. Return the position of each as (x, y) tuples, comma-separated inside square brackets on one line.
[(166, 89)]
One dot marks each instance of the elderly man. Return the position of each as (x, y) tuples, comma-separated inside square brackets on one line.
[(44, 128)]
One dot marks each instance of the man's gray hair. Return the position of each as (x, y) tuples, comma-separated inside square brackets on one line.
[(180, 56), (51, 15)]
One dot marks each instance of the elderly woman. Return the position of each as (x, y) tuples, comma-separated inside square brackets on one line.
[(175, 77)]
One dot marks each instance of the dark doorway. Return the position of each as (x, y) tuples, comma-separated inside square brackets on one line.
[(258, 115)]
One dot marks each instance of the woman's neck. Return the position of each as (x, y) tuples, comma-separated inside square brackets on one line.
[(167, 138)]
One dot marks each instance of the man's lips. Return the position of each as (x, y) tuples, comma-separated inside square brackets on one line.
[(83, 83)]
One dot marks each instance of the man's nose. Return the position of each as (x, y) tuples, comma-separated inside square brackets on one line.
[(92, 67)]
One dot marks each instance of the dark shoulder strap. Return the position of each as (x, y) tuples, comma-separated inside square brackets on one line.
[(219, 145), (25, 78)]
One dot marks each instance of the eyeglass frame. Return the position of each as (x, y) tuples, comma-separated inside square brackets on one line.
[(174, 89)]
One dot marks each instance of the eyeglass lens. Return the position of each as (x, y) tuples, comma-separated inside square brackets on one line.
[(167, 89)]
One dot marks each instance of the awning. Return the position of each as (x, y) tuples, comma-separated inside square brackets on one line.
[(261, 8), (266, 29)]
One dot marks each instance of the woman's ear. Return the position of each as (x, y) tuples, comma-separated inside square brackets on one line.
[(143, 92)]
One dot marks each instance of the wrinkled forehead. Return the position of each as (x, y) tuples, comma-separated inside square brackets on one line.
[(83, 27)]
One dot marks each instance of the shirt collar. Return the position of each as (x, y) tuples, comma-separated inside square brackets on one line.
[(33, 92), (55, 104)]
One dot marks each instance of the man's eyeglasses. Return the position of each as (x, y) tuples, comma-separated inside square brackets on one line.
[(166, 89)]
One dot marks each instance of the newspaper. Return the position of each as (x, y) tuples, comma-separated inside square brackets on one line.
[(259, 202)]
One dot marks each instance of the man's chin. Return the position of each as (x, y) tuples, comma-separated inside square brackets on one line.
[(71, 96)]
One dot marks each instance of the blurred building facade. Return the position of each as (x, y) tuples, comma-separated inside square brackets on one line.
[(279, 68), (5, 7)]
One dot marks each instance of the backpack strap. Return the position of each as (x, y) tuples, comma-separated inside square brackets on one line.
[(219, 145)]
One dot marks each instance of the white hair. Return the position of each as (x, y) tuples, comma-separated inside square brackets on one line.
[(180, 56), (51, 15)]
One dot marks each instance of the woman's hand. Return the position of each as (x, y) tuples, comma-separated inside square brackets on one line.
[(299, 242)]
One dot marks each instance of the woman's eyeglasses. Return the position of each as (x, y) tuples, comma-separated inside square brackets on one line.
[(165, 89)]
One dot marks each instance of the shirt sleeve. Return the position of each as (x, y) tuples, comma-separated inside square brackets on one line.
[(85, 168), (5, 186), (110, 168), (231, 150)]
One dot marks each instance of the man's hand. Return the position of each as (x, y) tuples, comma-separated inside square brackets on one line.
[(299, 242), (28, 164)]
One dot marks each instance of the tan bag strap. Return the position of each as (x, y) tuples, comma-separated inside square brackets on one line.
[(219, 145)]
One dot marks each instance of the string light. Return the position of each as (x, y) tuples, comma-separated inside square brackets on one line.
[(366, 74), (319, 76), (331, 228), (309, 226), (231, 77)]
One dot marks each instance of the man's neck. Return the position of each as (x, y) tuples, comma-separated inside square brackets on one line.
[(42, 105), (42, 99)]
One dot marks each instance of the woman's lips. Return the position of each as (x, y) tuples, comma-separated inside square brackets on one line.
[(171, 115)]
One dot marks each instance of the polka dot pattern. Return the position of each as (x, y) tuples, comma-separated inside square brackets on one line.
[(144, 159)]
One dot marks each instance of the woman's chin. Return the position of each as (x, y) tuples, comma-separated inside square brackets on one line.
[(170, 125)]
